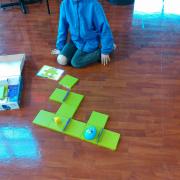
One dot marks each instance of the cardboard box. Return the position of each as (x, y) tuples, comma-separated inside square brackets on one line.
[(11, 81)]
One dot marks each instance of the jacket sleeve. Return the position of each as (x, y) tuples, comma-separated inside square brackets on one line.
[(104, 30), (62, 28)]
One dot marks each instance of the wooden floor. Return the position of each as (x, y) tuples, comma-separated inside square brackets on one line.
[(140, 90)]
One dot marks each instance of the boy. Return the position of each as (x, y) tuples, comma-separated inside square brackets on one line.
[(89, 29)]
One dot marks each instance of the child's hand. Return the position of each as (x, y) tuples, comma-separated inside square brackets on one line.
[(55, 52), (105, 59)]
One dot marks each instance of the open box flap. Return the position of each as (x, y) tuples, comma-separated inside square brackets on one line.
[(11, 65)]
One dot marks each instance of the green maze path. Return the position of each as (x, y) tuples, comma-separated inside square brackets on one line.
[(70, 103)]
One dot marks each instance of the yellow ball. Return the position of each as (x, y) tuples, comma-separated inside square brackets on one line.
[(57, 120)]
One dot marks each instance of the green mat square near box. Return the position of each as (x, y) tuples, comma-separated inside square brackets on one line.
[(68, 81), (44, 118)]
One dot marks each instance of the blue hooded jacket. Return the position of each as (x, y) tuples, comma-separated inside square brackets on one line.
[(88, 26)]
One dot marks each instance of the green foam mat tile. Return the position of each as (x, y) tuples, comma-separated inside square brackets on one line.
[(58, 127), (98, 119), (44, 118), (68, 81), (58, 95), (109, 139), (75, 128), (72, 99), (66, 110)]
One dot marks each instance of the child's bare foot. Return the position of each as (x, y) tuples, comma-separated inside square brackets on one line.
[(62, 60), (55, 52)]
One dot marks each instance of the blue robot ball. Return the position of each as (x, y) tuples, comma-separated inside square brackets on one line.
[(90, 133)]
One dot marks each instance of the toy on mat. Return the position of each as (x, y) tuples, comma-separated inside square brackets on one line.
[(57, 120), (90, 133)]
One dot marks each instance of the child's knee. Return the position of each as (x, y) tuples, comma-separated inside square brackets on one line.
[(62, 60), (75, 63)]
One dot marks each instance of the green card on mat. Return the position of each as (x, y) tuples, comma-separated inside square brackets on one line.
[(109, 139), (68, 81), (2, 92), (98, 119)]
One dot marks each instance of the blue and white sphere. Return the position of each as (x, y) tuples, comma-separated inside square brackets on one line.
[(90, 133)]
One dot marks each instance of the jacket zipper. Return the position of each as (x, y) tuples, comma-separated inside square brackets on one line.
[(79, 34), (78, 19)]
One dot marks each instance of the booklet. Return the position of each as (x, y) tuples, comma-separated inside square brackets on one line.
[(50, 72)]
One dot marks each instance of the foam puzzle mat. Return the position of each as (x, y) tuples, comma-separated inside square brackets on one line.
[(70, 103)]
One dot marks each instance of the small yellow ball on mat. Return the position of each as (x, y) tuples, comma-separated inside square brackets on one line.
[(57, 120)]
